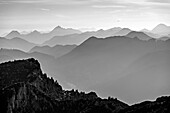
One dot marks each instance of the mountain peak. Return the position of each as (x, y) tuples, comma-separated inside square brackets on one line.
[(123, 32), (92, 38), (35, 32), (58, 28), (161, 25), (14, 33), (115, 28), (161, 29), (139, 35), (145, 30)]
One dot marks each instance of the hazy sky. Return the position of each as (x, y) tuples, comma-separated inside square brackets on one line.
[(47, 14)]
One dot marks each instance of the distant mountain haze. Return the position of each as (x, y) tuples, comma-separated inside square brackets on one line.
[(80, 38), (69, 36), (145, 78), (140, 35), (165, 38), (48, 62), (56, 51), (25, 88), (123, 32), (145, 30), (16, 43), (104, 65), (13, 34), (118, 62), (98, 61), (38, 37), (161, 29)]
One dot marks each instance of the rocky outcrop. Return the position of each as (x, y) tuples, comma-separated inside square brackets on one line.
[(25, 89), (25, 98)]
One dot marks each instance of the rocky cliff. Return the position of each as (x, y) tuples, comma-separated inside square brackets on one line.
[(25, 89)]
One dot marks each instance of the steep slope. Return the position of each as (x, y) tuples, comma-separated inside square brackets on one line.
[(16, 43), (56, 51), (25, 89), (13, 34), (47, 62)]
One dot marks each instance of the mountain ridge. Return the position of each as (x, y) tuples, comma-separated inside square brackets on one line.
[(38, 37), (28, 90), (16, 43)]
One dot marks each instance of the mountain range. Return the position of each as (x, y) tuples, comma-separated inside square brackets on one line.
[(140, 35), (63, 36), (38, 37), (130, 65), (16, 43), (105, 64), (100, 63), (79, 38), (161, 29), (56, 51)]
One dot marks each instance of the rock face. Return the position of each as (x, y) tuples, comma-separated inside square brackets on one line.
[(25, 89)]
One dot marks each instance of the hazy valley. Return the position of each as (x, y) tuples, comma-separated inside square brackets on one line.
[(118, 62)]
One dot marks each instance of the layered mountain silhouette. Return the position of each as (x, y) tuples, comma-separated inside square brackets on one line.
[(48, 62), (56, 51), (117, 61), (13, 34), (80, 38), (99, 63), (38, 37), (161, 29), (16, 43), (123, 32), (140, 35), (165, 38), (25, 89), (146, 78), (69, 36)]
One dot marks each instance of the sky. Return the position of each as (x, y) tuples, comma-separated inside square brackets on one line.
[(44, 15)]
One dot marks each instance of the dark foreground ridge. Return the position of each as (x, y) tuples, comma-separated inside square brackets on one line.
[(25, 89)]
